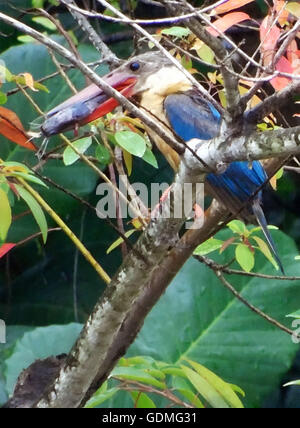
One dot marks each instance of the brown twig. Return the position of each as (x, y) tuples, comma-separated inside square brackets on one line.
[(218, 271)]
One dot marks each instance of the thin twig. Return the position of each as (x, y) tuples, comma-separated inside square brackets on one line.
[(157, 21), (137, 386), (218, 272), (109, 56), (225, 269)]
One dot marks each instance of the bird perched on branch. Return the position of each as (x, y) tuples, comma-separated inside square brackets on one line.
[(166, 92)]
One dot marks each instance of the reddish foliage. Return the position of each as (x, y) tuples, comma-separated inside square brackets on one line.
[(227, 21), (283, 65), (5, 248), (231, 5), (12, 128), (269, 35)]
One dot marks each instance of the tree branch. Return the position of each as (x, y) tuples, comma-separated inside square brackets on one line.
[(272, 103), (218, 271), (218, 153), (153, 289)]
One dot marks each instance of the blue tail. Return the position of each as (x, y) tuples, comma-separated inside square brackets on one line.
[(261, 219)]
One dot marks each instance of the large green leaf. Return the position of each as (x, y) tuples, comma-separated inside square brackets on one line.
[(216, 330), (36, 210), (70, 156), (132, 142)]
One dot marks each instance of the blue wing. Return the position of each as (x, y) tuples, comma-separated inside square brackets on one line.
[(191, 116)]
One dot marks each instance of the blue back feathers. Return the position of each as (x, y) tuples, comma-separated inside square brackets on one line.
[(191, 116)]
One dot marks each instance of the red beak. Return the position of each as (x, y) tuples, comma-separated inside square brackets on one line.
[(88, 105)]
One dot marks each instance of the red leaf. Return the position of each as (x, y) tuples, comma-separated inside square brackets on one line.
[(292, 52), (227, 21), (231, 5), (269, 35), (285, 66), (293, 55), (12, 128), (5, 248)]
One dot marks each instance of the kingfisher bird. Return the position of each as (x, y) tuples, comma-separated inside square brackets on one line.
[(167, 93)]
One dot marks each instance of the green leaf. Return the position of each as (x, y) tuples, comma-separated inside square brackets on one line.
[(44, 22), (5, 215), (119, 241), (238, 227), (174, 371), (137, 360), (69, 155), (279, 173), (5, 74), (3, 97), (224, 389), (142, 401), (38, 3), (208, 246), (100, 397), (206, 54), (184, 388), (139, 375), (26, 39), (176, 32), (39, 86), (218, 331), (102, 154), (258, 228), (294, 315), (265, 250), (132, 142), (244, 257), (30, 177), (150, 158), (205, 389), (158, 374), (237, 389), (17, 164), (36, 210)]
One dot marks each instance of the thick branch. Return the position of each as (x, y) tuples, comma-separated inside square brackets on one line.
[(160, 278), (272, 103), (217, 153), (98, 334)]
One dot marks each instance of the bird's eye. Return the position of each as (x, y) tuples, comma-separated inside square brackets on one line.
[(134, 66)]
